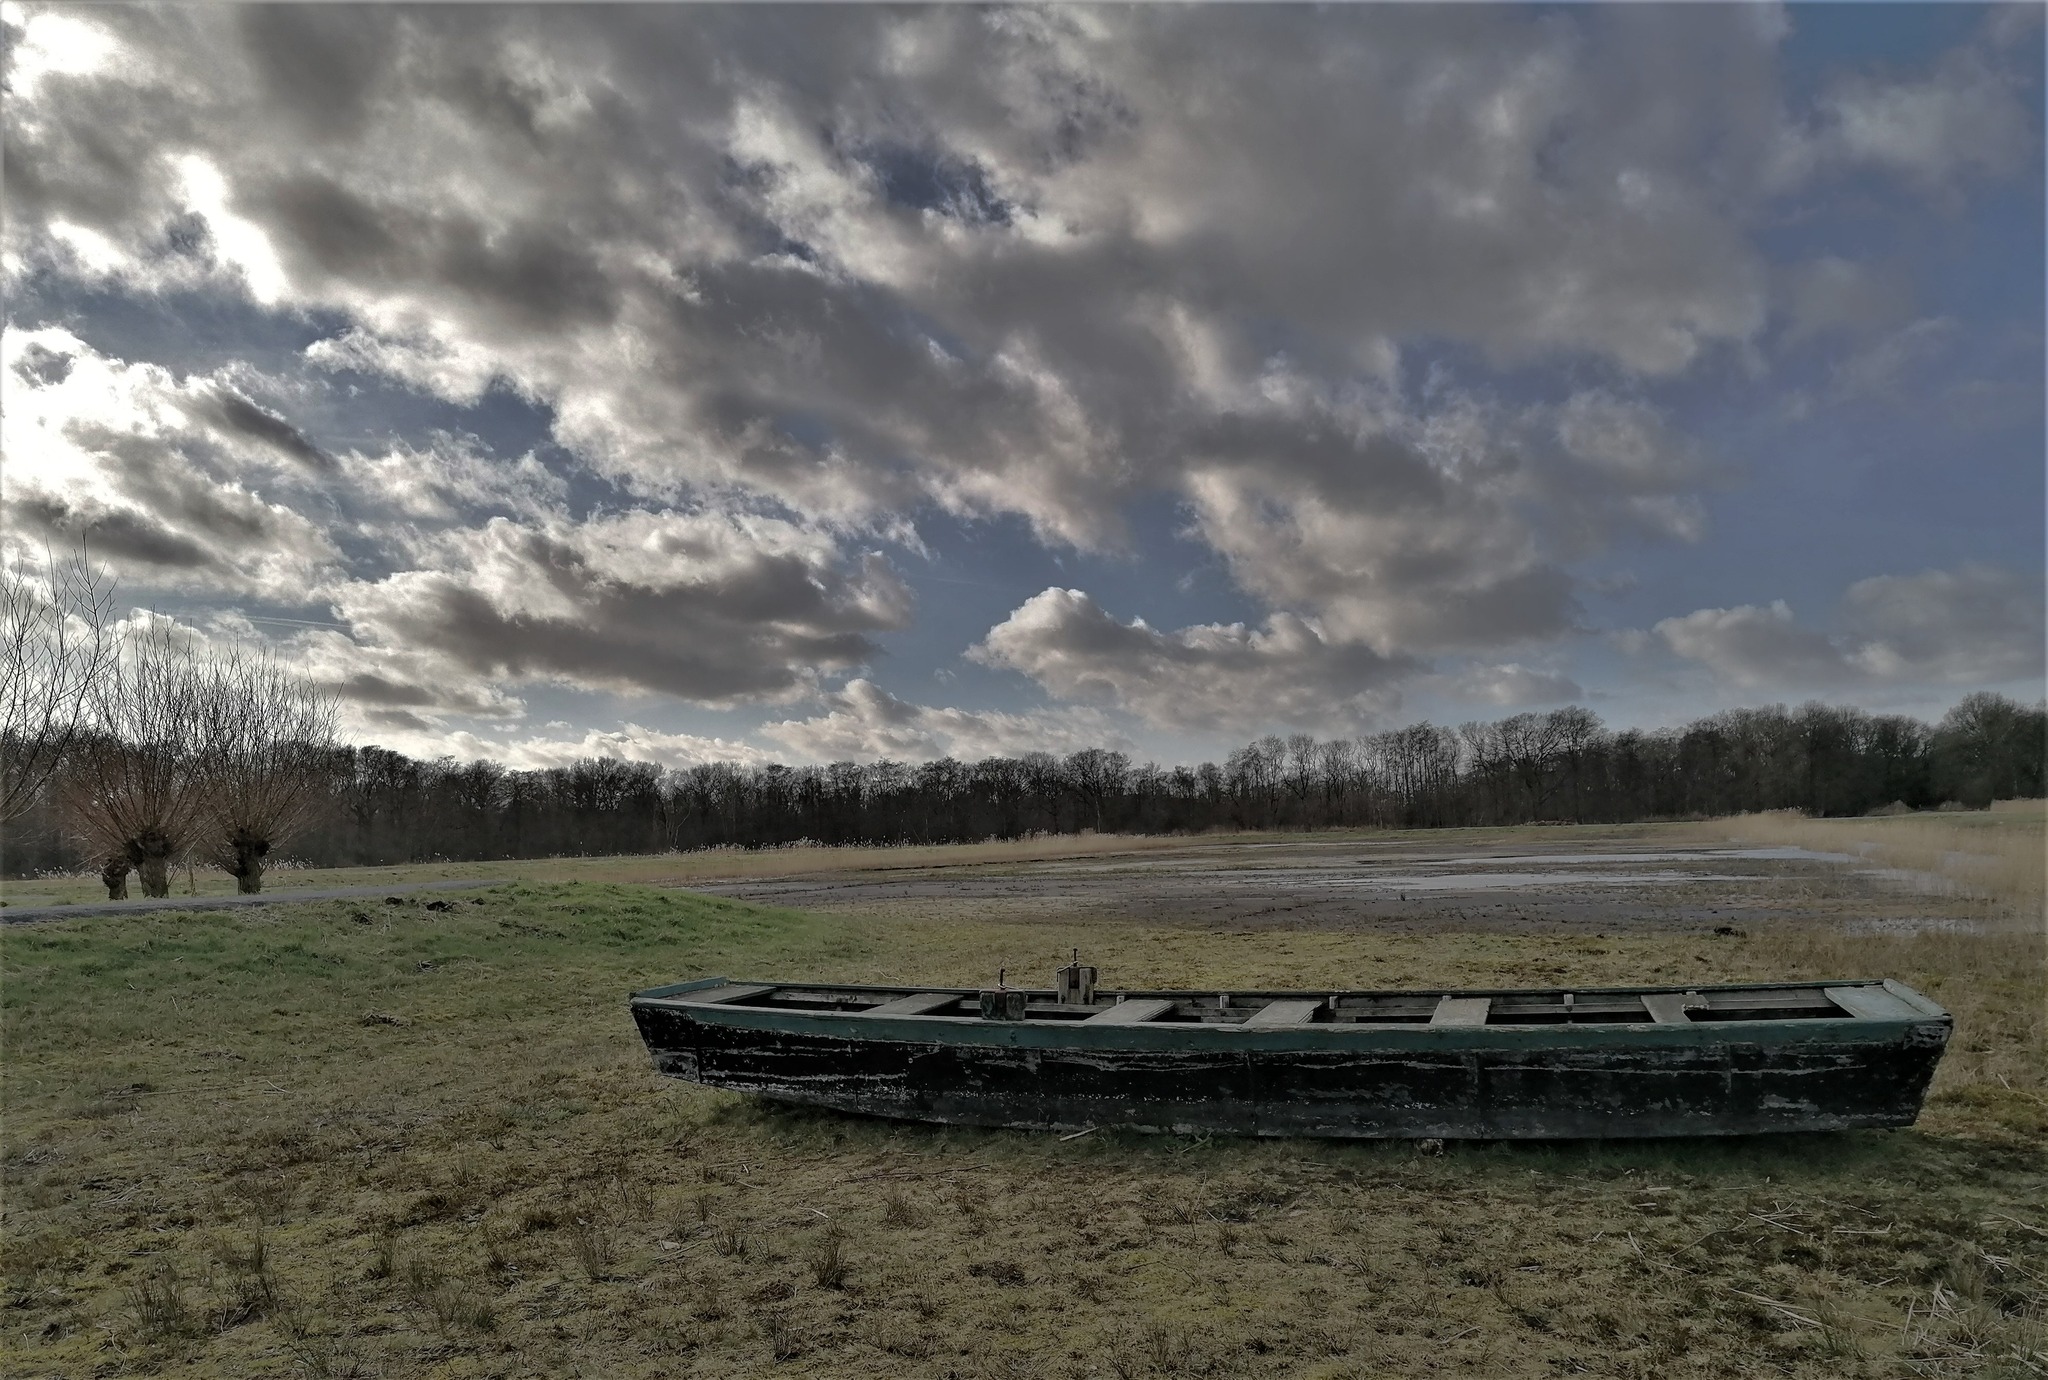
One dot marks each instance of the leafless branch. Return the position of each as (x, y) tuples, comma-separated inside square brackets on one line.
[(56, 644)]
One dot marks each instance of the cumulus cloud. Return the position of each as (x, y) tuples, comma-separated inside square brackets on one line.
[(1358, 525), (452, 479), (1975, 625), (1510, 684), (630, 742), (924, 256), (1208, 677), (484, 573), (1964, 120), (395, 686), (153, 472), (713, 608), (779, 301), (864, 722), (1439, 527), (1754, 645)]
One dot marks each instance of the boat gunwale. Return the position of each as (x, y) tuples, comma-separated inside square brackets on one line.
[(1276, 994), (1382, 1034), (677, 991)]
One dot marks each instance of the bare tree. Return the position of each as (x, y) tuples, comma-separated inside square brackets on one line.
[(1097, 774), (136, 780), (1576, 731), (55, 645), (270, 764), (1336, 765)]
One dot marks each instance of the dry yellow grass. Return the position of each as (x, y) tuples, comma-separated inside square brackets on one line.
[(2001, 854)]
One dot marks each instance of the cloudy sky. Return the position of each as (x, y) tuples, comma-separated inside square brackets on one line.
[(841, 382)]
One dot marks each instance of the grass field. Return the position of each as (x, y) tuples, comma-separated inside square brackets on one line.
[(337, 1139), (656, 869)]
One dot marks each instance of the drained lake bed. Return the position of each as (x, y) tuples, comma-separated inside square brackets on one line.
[(330, 1138), (1413, 884)]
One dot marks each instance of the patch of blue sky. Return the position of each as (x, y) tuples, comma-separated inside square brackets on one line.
[(806, 429), (187, 332), (198, 332), (980, 570), (921, 177), (1827, 39)]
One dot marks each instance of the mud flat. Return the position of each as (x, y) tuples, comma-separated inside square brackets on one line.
[(1510, 885)]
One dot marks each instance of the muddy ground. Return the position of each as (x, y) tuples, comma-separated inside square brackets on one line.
[(1517, 886)]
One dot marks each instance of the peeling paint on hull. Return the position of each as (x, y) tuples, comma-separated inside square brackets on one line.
[(1499, 1082)]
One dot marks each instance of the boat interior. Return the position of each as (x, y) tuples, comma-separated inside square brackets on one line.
[(1075, 999)]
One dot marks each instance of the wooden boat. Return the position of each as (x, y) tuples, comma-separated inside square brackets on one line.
[(1489, 1065)]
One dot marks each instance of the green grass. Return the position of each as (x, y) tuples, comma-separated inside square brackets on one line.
[(340, 1139)]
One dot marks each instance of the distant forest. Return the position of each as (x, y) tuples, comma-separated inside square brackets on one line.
[(1559, 766)]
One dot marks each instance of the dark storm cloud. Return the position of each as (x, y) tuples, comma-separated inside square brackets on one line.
[(340, 231), (318, 64), (127, 535), (635, 639), (119, 535), (402, 719), (93, 152), (368, 687), (151, 475), (531, 277), (696, 606), (245, 418)]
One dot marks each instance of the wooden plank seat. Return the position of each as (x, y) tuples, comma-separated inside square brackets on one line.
[(1131, 1012), (727, 995), (1462, 1011), (1669, 1008), (917, 1004), (1871, 1003), (1282, 1013)]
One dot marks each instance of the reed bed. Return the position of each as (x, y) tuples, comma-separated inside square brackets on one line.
[(2001, 855)]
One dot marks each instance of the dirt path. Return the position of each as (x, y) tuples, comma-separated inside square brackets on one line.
[(29, 914)]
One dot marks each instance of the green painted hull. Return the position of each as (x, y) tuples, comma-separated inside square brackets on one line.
[(1548, 1067)]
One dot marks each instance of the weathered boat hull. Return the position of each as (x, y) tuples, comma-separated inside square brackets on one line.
[(1405, 1081)]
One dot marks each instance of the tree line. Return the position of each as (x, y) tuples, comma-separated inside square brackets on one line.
[(183, 758)]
